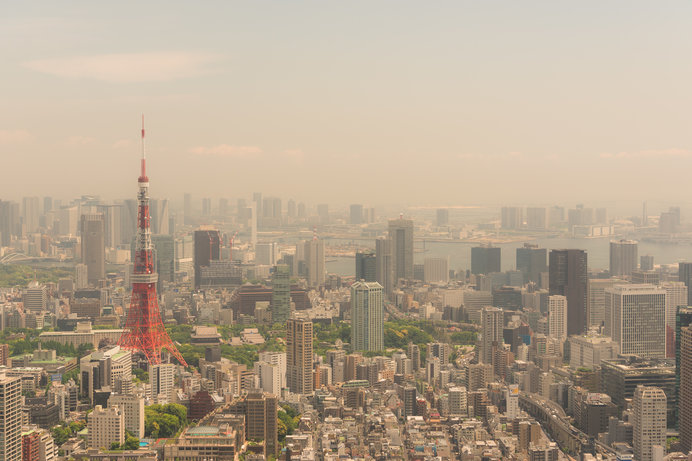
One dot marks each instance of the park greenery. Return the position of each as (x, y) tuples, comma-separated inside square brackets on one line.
[(13, 275), (162, 421), (287, 422), (64, 431)]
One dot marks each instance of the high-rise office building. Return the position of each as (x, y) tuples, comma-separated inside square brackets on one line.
[(532, 262), (383, 261), (164, 246), (676, 296), (299, 355), (536, 218), (646, 263), (266, 253), (314, 262), (106, 426), (442, 351), (35, 297), (436, 270), (491, 330), (649, 425), (93, 246), (367, 316), (414, 355), (685, 276), (684, 376), (366, 266), (486, 259), (10, 418), (635, 318), (568, 277), (30, 214), (401, 237), (356, 214), (557, 317), (281, 294), (623, 257), (9, 221), (511, 217), (261, 419), (207, 249), (132, 408), (457, 401), (595, 307), (162, 382), (442, 217), (158, 209)]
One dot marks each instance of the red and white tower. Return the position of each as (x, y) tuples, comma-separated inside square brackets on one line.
[(144, 331)]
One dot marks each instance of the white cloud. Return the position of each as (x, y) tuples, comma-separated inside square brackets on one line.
[(127, 67), (225, 150), (14, 136), (654, 153)]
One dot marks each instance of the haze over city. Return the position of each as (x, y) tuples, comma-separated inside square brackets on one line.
[(345, 231), (406, 103)]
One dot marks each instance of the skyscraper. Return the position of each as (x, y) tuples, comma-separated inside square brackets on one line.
[(511, 217), (299, 355), (30, 214), (635, 318), (93, 246), (676, 296), (436, 270), (207, 249), (383, 261), (684, 376), (366, 266), (162, 381), (685, 276), (10, 418), (568, 277), (486, 259), (532, 261), (557, 317), (401, 237), (367, 316), (491, 329), (536, 218), (314, 262), (442, 217), (261, 420), (649, 425), (623, 257), (356, 214), (281, 294)]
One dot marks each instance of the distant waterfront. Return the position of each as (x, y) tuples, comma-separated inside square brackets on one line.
[(460, 253)]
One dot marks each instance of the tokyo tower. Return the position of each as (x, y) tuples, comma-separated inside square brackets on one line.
[(144, 331)]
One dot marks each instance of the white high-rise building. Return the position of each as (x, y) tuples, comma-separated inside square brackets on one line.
[(105, 426), (596, 300), (557, 317), (35, 297), (10, 418), (279, 359), (491, 331), (81, 276), (512, 401), (458, 404), (635, 316), (649, 406), (266, 253), (162, 380), (132, 407), (269, 377), (367, 316), (436, 270), (314, 262), (676, 295)]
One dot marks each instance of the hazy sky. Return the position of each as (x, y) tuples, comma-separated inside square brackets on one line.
[(353, 101)]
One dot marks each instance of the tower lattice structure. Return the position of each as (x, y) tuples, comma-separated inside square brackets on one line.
[(144, 331)]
